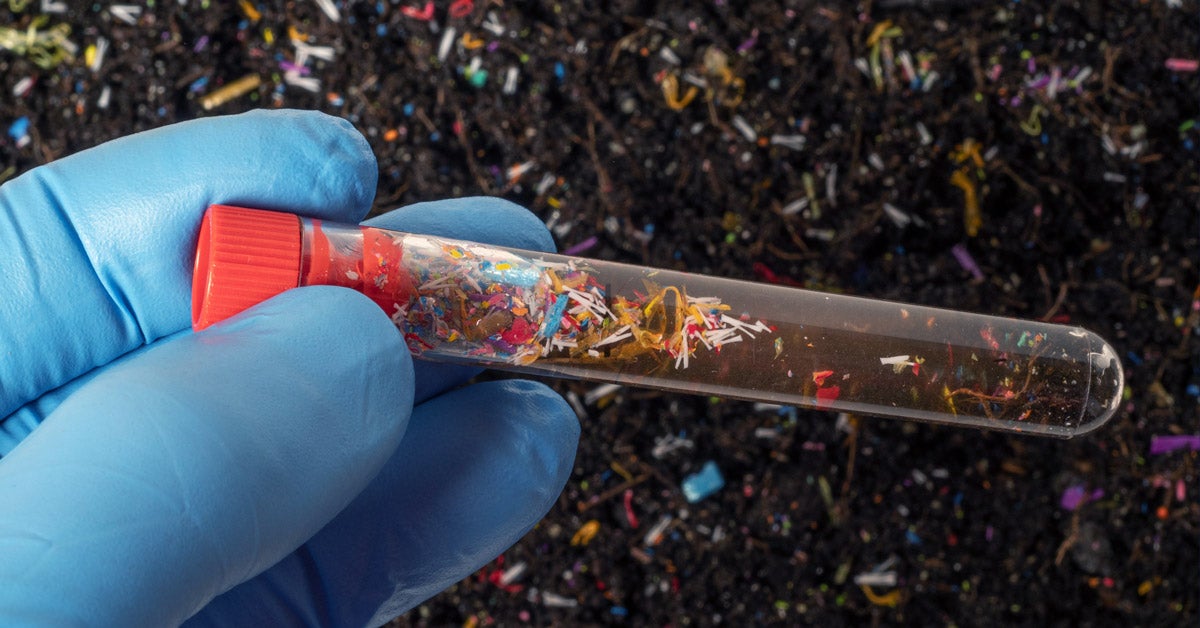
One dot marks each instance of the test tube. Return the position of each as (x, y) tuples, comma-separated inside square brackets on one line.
[(561, 316)]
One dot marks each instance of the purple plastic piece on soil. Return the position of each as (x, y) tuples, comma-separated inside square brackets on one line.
[(1164, 444), (582, 246), (1077, 495), (966, 261)]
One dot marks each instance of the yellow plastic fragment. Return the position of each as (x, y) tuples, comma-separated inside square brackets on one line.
[(250, 11), (891, 599), (1033, 126), (471, 43), (972, 219), (670, 87), (878, 32), (230, 91), (621, 471), (586, 533), (969, 149), (45, 47)]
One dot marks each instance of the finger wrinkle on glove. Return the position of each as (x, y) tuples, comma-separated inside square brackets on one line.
[(41, 278), (121, 309)]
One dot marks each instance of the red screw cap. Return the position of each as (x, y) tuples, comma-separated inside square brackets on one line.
[(244, 257)]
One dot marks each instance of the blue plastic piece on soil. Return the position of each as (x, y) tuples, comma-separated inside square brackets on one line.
[(19, 128), (697, 486)]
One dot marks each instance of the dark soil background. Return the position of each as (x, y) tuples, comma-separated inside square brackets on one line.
[(809, 154)]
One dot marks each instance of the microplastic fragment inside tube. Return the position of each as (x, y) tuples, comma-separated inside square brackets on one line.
[(561, 316)]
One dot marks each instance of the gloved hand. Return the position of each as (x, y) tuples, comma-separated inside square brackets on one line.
[(272, 470)]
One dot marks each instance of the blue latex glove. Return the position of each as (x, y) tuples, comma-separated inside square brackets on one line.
[(272, 470)]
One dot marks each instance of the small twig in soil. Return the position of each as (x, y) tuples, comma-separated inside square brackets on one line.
[(607, 495)]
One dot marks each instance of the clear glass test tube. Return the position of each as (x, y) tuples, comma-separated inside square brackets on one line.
[(561, 316)]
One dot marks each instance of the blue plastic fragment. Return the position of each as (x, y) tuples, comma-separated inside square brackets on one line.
[(552, 321), (699, 485), (19, 128)]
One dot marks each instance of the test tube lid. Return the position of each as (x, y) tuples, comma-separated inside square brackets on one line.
[(243, 258)]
